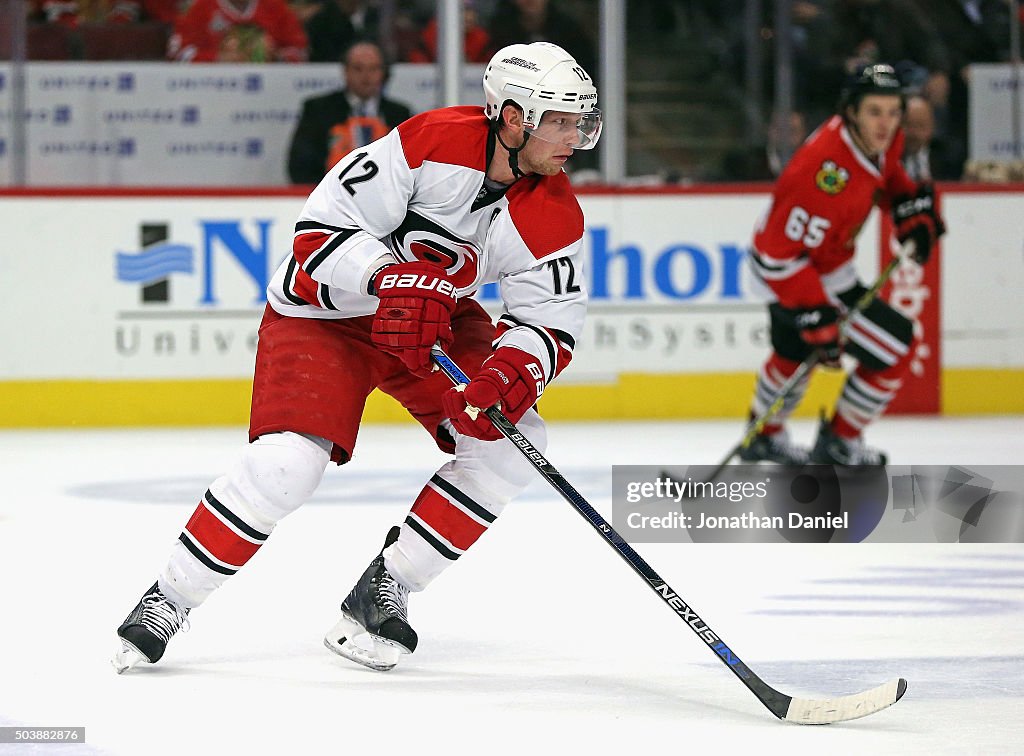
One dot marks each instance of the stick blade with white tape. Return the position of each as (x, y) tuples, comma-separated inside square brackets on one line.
[(845, 708)]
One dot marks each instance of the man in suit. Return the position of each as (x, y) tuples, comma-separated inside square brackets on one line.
[(926, 157), (334, 124)]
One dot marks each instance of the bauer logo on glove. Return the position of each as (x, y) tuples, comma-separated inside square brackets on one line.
[(391, 281), (417, 300)]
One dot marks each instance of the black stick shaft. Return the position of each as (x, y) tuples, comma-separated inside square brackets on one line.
[(776, 702)]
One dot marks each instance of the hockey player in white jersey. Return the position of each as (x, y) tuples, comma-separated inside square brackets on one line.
[(387, 254)]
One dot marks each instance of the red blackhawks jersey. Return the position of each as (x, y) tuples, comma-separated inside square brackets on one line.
[(804, 245), (202, 28), (418, 194)]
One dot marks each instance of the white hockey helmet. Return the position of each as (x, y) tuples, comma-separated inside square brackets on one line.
[(542, 77)]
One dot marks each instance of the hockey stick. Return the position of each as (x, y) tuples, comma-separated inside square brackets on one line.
[(757, 424), (799, 710)]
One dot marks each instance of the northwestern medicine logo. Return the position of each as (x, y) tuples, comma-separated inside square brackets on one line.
[(623, 272), (199, 293), (152, 267)]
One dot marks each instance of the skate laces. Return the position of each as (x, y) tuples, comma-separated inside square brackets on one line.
[(392, 596), (162, 617)]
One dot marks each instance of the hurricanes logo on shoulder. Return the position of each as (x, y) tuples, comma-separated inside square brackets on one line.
[(830, 178)]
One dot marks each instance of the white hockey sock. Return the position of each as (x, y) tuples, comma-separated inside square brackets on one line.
[(459, 503), (277, 473), (443, 523)]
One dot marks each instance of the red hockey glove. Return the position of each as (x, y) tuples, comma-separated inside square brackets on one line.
[(509, 376), (916, 219), (417, 300), (819, 328)]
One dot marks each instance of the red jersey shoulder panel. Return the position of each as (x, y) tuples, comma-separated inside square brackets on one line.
[(546, 213), (455, 136), (825, 145)]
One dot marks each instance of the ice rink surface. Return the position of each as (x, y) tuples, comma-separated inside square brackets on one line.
[(541, 640)]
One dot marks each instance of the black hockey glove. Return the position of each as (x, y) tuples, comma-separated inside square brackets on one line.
[(916, 219), (819, 328)]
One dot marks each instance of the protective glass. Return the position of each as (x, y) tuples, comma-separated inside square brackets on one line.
[(580, 131)]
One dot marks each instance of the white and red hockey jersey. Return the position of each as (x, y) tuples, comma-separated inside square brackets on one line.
[(418, 194)]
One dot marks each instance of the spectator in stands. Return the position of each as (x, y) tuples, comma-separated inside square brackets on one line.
[(74, 12), (305, 9), (516, 21), (333, 124), (925, 156), (864, 32), (238, 31), (918, 130), (765, 162), (63, 12), (809, 20), (477, 46), (337, 25), (98, 29), (133, 11), (974, 31)]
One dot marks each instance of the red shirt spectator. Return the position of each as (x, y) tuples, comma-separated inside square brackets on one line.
[(73, 12), (238, 31), (130, 11), (477, 46)]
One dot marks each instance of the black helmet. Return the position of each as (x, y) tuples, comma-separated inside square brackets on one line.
[(878, 78)]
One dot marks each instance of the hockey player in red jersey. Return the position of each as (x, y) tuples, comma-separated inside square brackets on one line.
[(387, 254), (803, 252)]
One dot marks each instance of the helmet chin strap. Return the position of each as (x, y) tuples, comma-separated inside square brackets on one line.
[(513, 152)]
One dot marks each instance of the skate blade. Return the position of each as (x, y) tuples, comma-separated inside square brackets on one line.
[(348, 638), (127, 657)]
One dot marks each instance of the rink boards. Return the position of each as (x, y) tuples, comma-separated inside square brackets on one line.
[(141, 307)]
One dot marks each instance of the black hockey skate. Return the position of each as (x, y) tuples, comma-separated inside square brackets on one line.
[(775, 448), (147, 629), (831, 449), (374, 628)]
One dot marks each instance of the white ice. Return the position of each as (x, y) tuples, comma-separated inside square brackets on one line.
[(540, 640)]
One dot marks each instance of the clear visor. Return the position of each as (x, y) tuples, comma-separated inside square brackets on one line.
[(580, 131)]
